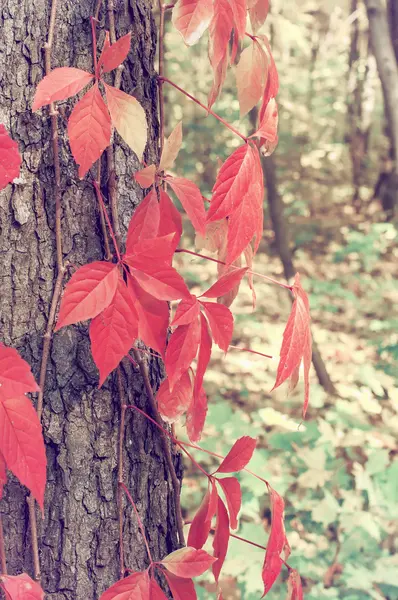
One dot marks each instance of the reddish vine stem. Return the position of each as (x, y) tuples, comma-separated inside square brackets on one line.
[(3, 561), (251, 351), (140, 523), (157, 419), (111, 232), (206, 108), (108, 253), (221, 262)]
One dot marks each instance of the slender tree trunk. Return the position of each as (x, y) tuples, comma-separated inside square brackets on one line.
[(78, 536), (388, 71)]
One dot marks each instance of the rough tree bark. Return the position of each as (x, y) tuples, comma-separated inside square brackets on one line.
[(388, 71), (78, 537)]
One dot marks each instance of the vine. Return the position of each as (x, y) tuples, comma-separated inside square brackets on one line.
[(126, 295)]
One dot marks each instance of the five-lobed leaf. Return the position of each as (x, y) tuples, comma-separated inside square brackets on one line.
[(128, 117), (201, 524), (89, 129), (196, 416), (187, 311), (188, 562), (204, 354), (10, 159), (60, 84), (171, 221), (157, 278), (191, 18), (146, 177), (239, 455), (225, 284), (21, 587), (89, 291)]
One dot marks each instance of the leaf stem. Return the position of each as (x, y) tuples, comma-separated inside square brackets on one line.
[(206, 108), (112, 234), (140, 524), (93, 21), (251, 351), (221, 262)]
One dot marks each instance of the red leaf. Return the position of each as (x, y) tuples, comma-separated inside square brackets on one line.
[(294, 587), (21, 587), (225, 284), (128, 117), (239, 9), (146, 177), (112, 56), (276, 542), (22, 445), (187, 311), (114, 331), (220, 32), (219, 72), (144, 223), (239, 455), (173, 404), (196, 416), (89, 129), (221, 323), (251, 74), (188, 562), (204, 354), (258, 13), (222, 269), (155, 591), (15, 375), (268, 128), (134, 586), (201, 524), (171, 221), (10, 159), (296, 343), (233, 496), (272, 87), (191, 18), (158, 249), (89, 291), (232, 184), (182, 589), (153, 317), (181, 350), (3, 474), (60, 84), (221, 538), (171, 148), (191, 199), (157, 278)]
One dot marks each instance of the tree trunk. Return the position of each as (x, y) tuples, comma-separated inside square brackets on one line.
[(78, 537), (388, 72)]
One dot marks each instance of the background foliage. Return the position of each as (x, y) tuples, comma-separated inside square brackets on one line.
[(338, 471)]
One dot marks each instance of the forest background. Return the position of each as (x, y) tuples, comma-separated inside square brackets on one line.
[(338, 471)]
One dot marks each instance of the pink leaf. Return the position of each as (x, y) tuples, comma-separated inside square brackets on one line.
[(239, 10), (129, 118), (155, 591), (170, 221), (258, 12), (219, 72), (295, 590), (3, 474), (157, 278), (196, 416), (89, 129), (21, 587), (233, 496), (201, 524), (221, 538), (187, 311), (191, 18), (204, 354), (22, 445), (89, 291), (172, 405), (276, 542), (220, 32), (225, 284), (10, 159), (153, 317), (221, 323), (239, 455), (113, 55), (146, 177), (60, 84), (251, 74), (171, 148), (188, 562), (158, 249), (114, 331), (144, 223), (191, 199), (135, 586), (181, 350), (268, 128), (182, 589), (15, 375)]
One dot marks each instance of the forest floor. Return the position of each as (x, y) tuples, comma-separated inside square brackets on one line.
[(336, 470)]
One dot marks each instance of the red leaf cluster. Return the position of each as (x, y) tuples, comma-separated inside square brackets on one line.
[(21, 441)]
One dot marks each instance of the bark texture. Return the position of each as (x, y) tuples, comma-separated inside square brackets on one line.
[(78, 537)]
